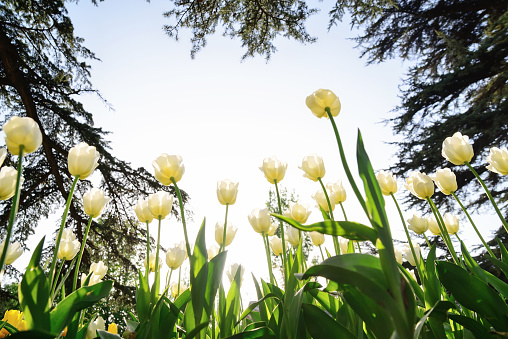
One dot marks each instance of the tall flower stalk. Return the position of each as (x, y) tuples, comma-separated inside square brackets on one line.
[(283, 255), (223, 245), (182, 212), (330, 209), (80, 255)]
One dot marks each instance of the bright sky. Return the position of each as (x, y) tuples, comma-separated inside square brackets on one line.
[(224, 116)]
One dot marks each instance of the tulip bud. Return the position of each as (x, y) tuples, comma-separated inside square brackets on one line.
[(160, 204), (273, 169), (293, 236), (94, 201), (343, 244), (14, 318), (445, 180), (93, 326), (175, 257), (433, 225), (227, 191), (112, 328), (320, 198), (68, 249), (167, 167), (174, 288), (83, 160), (420, 185), (143, 212), (212, 251), (230, 233), (313, 166), (94, 279), (498, 160), (272, 229), (276, 245), (317, 238), (151, 262), (298, 212), (338, 190), (398, 254), (183, 247), (387, 182), (14, 251), (231, 272), (3, 154), (409, 255), (418, 224), (8, 177), (68, 234), (260, 220), (451, 223), (22, 131), (457, 149), (99, 269), (318, 101)]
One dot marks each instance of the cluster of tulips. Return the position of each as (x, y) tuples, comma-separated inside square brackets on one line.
[(371, 296)]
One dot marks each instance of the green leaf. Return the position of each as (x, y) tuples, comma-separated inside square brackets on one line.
[(34, 293), (261, 332), (195, 331), (142, 299), (106, 335), (199, 275), (472, 293), (346, 229), (263, 307), (499, 264), (417, 290), (215, 272), (78, 300), (472, 325), (31, 334), (321, 326), (504, 251), (254, 305), (432, 287), (471, 264), (232, 305), (327, 301), (439, 307)]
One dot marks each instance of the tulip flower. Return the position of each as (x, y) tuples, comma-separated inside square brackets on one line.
[(68, 234), (457, 149), (317, 238), (183, 247), (398, 254), (260, 220), (174, 288), (320, 198), (175, 257), (99, 269), (433, 225), (230, 233), (14, 251), (93, 326), (420, 185), (498, 160), (83, 160), (14, 318), (212, 251), (418, 224), (3, 154), (94, 201), (321, 99), (293, 236), (338, 190), (167, 167), (313, 166), (276, 245), (387, 182), (68, 249), (298, 212), (273, 169), (409, 255), (160, 204), (227, 191), (22, 132), (231, 272), (445, 180), (343, 243), (143, 212), (112, 328), (272, 229), (151, 262), (94, 279), (451, 223), (8, 177)]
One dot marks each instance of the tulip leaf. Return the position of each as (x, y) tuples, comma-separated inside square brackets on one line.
[(321, 326), (264, 306), (215, 272), (252, 306), (471, 264), (327, 301), (439, 307), (39, 334), (472, 325), (474, 294), (347, 229), (78, 300), (34, 293), (499, 264), (232, 305), (199, 275), (195, 331), (503, 250), (106, 335), (432, 288), (142, 299), (260, 332)]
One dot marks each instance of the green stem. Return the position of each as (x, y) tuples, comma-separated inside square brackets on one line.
[(14, 209), (156, 268), (179, 277), (427, 240), (268, 256), (444, 231), (80, 255), (503, 220), (474, 226), (321, 250), (147, 251), (223, 246), (344, 163), (413, 252), (168, 280), (180, 201), (56, 279), (62, 225), (283, 254), (334, 237), (343, 211)]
